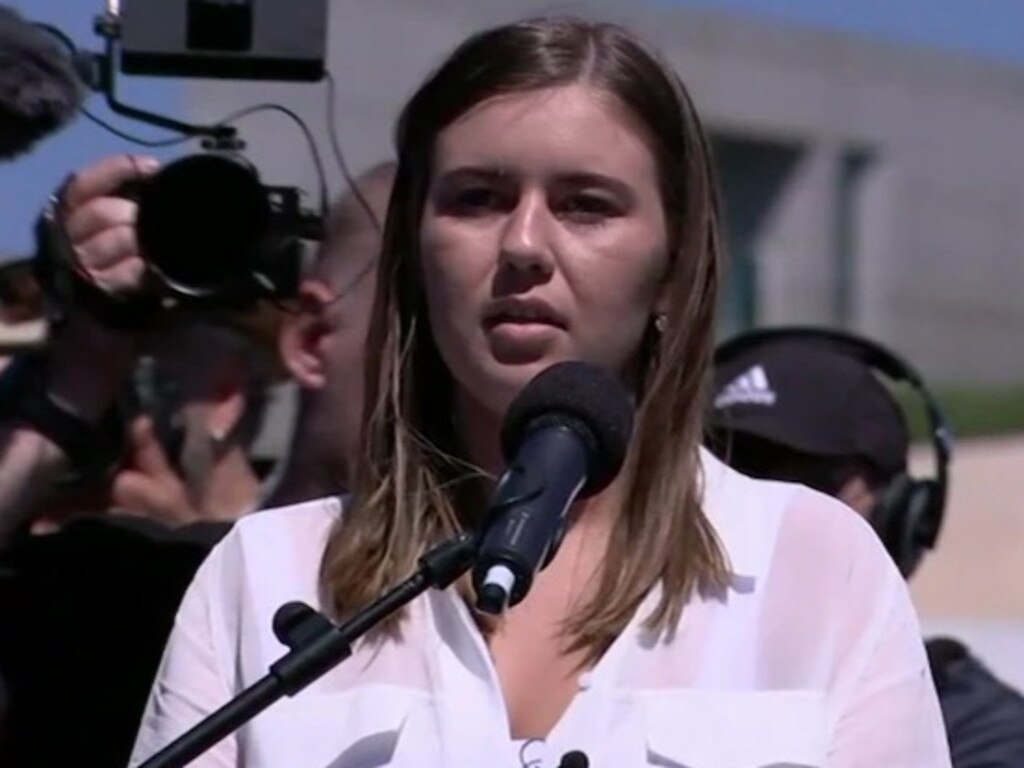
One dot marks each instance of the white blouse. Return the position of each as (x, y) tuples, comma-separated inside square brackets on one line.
[(814, 658)]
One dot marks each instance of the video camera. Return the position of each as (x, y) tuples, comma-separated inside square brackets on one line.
[(209, 230)]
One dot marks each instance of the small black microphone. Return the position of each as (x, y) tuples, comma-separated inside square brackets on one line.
[(574, 759), (565, 437)]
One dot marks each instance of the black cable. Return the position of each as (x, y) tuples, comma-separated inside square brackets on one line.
[(314, 150), (233, 117), (58, 33), (332, 136), (134, 139), (527, 743)]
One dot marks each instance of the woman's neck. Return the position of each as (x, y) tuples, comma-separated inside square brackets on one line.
[(479, 431)]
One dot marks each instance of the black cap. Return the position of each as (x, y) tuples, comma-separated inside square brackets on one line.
[(807, 396)]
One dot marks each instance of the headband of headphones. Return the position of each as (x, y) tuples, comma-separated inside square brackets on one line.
[(879, 359)]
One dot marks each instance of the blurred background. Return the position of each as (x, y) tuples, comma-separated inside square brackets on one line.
[(873, 178)]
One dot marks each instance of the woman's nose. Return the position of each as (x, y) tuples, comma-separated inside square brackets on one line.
[(526, 241)]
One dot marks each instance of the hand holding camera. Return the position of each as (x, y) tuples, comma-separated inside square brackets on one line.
[(100, 222)]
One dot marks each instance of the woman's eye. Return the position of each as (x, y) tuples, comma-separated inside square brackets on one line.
[(474, 200), (589, 208)]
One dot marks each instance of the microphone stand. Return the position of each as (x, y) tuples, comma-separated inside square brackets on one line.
[(316, 646)]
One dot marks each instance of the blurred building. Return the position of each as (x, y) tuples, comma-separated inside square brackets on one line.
[(866, 186)]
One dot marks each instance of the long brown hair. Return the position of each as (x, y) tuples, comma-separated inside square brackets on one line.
[(410, 488)]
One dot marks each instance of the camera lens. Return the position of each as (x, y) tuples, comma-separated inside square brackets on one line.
[(201, 222)]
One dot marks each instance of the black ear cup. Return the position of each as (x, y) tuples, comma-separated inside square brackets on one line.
[(904, 521)]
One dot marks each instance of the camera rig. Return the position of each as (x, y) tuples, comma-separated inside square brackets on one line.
[(209, 230)]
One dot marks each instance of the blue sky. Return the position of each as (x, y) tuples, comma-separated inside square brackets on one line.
[(986, 28)]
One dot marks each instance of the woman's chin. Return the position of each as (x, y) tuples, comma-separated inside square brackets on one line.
[(503, 364), (497, 384)]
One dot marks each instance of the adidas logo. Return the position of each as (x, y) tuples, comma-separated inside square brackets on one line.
[(750, 388)]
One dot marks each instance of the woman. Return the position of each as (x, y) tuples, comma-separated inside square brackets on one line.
[(554, 200)]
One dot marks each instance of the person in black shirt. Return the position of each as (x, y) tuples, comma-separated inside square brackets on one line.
[(809, 406), (84, 615)]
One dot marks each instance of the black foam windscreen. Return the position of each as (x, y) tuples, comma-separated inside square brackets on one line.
[(39, 89), (574, 759), (585, 399)]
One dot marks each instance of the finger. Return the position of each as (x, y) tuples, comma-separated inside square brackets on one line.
[(136, 494), (121, 278), (226, 409), (106, 177), (148, 453), (107, 248), (99, 214), (130, 491)]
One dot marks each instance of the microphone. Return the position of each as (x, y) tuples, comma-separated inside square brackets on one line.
[(574, 759), (565, 437), (40, 91)]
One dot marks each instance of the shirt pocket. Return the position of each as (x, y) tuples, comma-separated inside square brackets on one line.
[(363, 727), (736, 729)]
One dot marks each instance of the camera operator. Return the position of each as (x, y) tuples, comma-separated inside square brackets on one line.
[(61, 416), (79, 381), (113, 583), (809, 406), (87, 609)]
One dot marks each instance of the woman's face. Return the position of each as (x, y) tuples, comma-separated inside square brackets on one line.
[(543, 239)]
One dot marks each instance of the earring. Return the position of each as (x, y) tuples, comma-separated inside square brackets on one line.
[(660, 322)]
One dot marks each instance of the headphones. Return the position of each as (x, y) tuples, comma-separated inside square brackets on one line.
[(909, 515)]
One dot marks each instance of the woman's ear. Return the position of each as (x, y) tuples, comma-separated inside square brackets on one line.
[(663, 297), (304, 334), (661, 306)]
